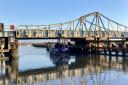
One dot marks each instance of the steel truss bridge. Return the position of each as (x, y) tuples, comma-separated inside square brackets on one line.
[(88, 26)]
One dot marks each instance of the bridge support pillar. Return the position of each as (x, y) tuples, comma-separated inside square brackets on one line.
[(105, 51), (109, 47), (97, 45), (116, 51), (110, 52), (124, 48), (13, 51)]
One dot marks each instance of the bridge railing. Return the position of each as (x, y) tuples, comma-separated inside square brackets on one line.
[(34, 33)]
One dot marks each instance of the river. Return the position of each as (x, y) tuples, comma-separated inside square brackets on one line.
[(36, 66)]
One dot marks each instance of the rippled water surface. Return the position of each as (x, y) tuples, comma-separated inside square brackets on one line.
[(36, 66)]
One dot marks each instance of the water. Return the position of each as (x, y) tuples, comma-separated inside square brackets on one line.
[(36, 66), (32, 58)]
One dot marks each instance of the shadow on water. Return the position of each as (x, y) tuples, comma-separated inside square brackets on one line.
[(79, 69)]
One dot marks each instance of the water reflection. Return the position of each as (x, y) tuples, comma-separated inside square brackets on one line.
[(9, 72), (83, 70), (61, 62)]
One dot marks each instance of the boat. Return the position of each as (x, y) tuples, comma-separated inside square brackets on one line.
[(58, 49)]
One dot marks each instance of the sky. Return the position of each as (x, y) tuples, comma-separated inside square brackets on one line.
[(42, 12)]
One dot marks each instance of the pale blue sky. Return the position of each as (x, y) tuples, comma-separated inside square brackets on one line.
[(29, 12)]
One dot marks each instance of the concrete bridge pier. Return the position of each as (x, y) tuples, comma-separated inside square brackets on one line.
[(13, 51)]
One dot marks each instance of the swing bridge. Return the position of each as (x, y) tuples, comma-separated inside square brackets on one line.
[(88, 26), (93, 30)]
